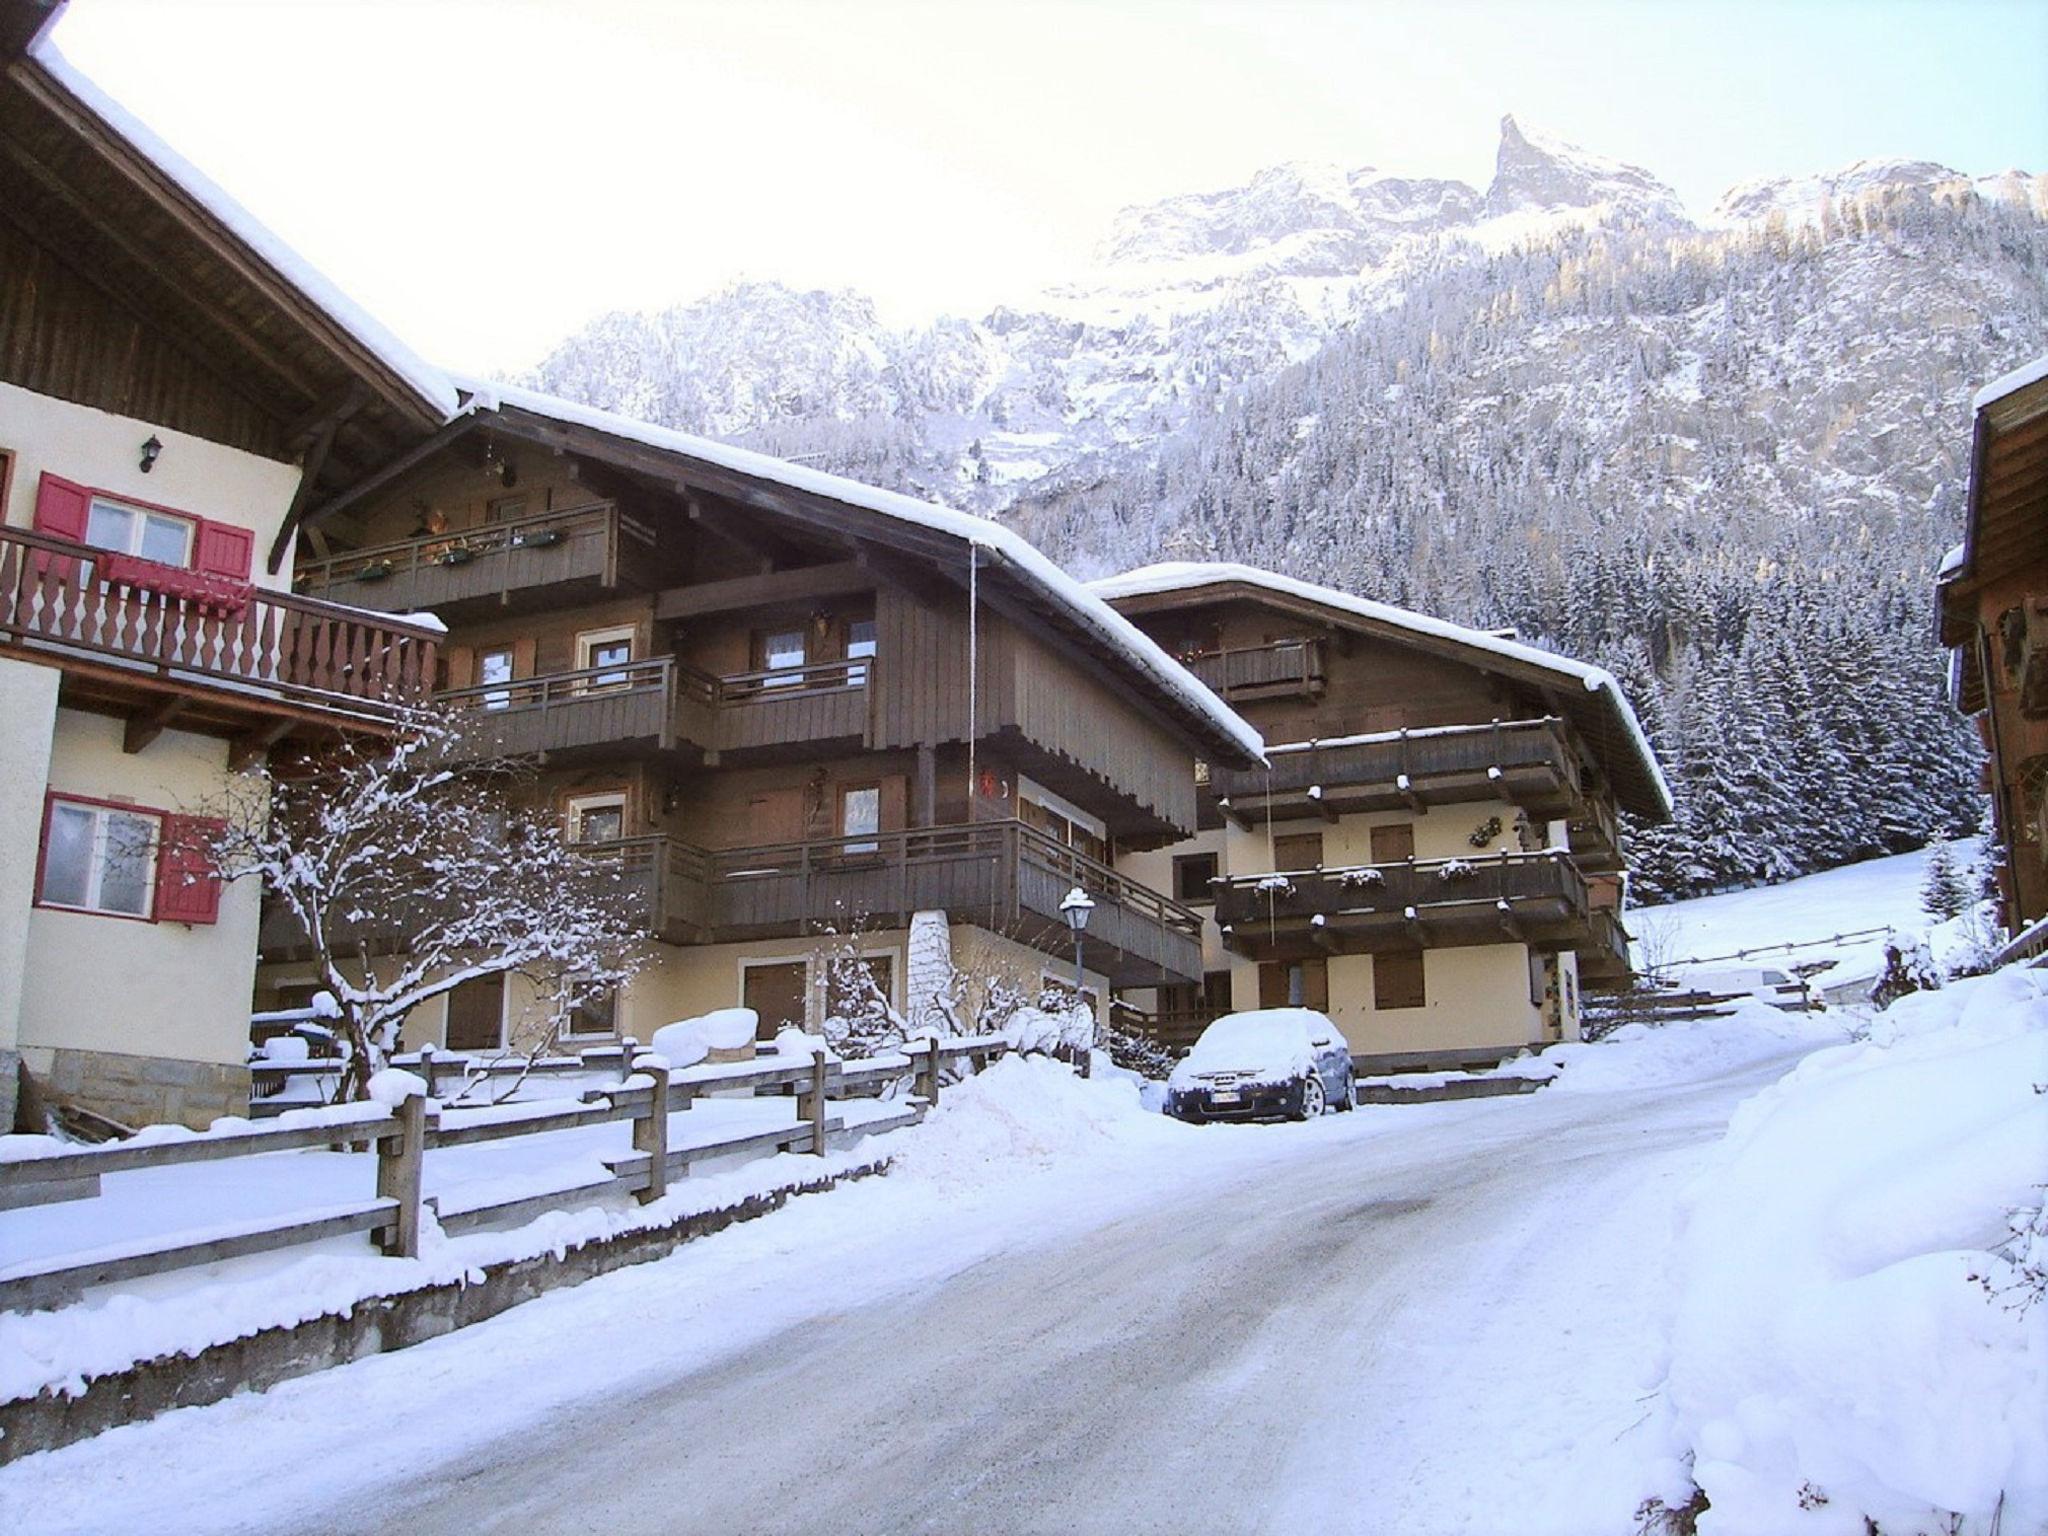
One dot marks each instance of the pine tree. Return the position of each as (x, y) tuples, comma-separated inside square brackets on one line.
[(1945, 884)]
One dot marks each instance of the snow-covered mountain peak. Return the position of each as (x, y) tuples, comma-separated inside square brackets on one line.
[(1803, 199), (1534, 171)]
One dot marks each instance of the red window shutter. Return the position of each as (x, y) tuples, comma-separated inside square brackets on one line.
[(187, 884), (222, 549), (61, 509)]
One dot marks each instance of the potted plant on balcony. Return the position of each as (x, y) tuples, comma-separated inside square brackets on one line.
[(376, 570), (537, 538), (455, 554)]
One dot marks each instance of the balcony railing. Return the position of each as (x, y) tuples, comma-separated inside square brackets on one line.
[(1003, 876), (60, 597), (1274, 670), (590, 544), (1527, 762), (1532, 897), (664, 703)]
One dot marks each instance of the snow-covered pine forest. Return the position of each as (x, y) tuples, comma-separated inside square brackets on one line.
[(1723, 460)]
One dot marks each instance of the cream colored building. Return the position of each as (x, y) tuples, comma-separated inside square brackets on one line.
[(1432, 855), (167, 396)]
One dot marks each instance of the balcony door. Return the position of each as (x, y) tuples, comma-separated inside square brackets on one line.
[(495, 667), (780, 653), (603, 648), (860, 817)]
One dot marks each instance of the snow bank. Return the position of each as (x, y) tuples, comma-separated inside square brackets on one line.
[(1654, 1055), (1028, 1111), (1853, 1339), (688, 1041)]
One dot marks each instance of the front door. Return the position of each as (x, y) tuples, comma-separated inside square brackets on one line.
[(776, 993)]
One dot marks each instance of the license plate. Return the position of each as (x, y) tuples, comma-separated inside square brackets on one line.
[(1224, 1096)]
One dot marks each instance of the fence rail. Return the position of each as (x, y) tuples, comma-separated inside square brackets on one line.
[(403, 1136), (54, 593)]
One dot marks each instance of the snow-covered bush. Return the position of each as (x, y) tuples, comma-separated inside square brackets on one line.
[(1908, 968)]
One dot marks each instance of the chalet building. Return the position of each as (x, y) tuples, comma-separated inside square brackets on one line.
[(798, 711), (171, 389), (1994, 614), (1431, 853)]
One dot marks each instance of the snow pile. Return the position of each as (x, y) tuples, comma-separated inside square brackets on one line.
[(1640, 1056), (688, 1041), (1027, 1111), (393, 1086), (1854, 1337)]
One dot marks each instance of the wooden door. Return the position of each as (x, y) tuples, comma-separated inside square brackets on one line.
[(777, 995), (1394, 844), (773, 816), (1298, 850)]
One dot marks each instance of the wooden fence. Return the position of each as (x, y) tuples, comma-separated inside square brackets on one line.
[(402, 1138)]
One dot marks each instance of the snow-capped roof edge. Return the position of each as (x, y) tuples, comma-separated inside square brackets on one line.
[(2012, 383), (432, 387), (992, 538), (1178, 576)]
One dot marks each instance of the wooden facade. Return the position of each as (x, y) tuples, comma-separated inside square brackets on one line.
[(1994, 614)]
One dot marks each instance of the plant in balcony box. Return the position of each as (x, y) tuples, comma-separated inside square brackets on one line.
[(455, 554), (376, 570), (537, 538), (1454, 869), (1366, 876), (1275, 885)]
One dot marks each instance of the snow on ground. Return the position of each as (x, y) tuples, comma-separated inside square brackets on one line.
[(1639, 1056), (1879, 893), (1854, 1338)]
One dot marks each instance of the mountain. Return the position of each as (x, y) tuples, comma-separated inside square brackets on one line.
[(1721, 457)]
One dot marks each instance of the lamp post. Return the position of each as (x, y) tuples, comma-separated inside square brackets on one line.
[(1075, 907)]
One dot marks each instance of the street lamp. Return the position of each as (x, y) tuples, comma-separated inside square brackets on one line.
[(1075, 907)]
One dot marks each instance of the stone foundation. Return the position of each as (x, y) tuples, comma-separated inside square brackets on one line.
[(142, 1090), (10, 1088)]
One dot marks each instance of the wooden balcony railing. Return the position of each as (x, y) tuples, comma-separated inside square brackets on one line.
[(1533, 896), (56, 596), (1526, 760), (587, 544), (665, 703), (1276, 669), (1004, 876)]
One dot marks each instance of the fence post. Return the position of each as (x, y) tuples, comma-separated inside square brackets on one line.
[(811, 1104), (650, 1131), (927, 1084), (427, 1069), (628, 1049), (401, 1161)]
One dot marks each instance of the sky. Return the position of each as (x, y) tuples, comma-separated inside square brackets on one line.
[(488, 175)]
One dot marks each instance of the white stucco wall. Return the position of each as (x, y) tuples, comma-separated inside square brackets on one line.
[(99, 983), (104, 451), (28, 716)]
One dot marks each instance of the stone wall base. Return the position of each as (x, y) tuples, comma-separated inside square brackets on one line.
[(10, 1089), (142, 1090), (375, 1326)]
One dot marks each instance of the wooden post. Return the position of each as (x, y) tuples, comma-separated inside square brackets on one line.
[(811, 1106), (401, 1162), (628, 1048), (927, 1083), (650, 1135), (427, 1069)]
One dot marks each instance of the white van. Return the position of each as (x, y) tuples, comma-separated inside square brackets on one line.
[(1767, 984)]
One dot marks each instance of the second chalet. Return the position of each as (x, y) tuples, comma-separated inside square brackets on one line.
[(794, 708)]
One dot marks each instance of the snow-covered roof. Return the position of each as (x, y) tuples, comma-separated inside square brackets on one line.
[(436, 393), (1950, 563), (1186, 576), (1003, 546), (2012, 383)]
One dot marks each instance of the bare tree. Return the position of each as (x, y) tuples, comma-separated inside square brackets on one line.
[(408, 872)]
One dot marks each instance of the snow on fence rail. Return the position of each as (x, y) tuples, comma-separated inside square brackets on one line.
[(402, 1135)]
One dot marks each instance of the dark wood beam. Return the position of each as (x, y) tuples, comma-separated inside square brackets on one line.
[(414, 456), (756, 544), (769, 587), (328, 414), (252, 746), (145, 725), (22, 22), (324, 430)]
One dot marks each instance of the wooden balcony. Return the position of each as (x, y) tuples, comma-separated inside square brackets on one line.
[(1529, 763), (1595, 832), (1277, 670), (1539, 899), (165, 647), (551, 559), (1003, 876), (662, 705)]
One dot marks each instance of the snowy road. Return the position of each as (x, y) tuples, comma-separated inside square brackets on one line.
[(1415, 1320)]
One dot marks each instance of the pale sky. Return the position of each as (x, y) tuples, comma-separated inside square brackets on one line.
[(486, 175)]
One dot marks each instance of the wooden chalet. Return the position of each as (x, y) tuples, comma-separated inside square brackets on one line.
[(1993, 598)]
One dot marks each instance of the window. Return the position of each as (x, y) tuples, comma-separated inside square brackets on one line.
[(1191, 876), (496, 667), (505, 509), (860, 645), (1394, 844), (605, 648), (596, 1015), (860, 814), (99, 858), (1298, 850), (476, 1015), (1397, 980), (1295, 984), (133, 531), (597, 818), (782, 655), (776, 991)]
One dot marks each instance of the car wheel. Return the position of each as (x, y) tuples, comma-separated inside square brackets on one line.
[(1312, 1098)]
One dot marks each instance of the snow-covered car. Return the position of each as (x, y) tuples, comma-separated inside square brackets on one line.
[(1767, 984), (1269, 1064)]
